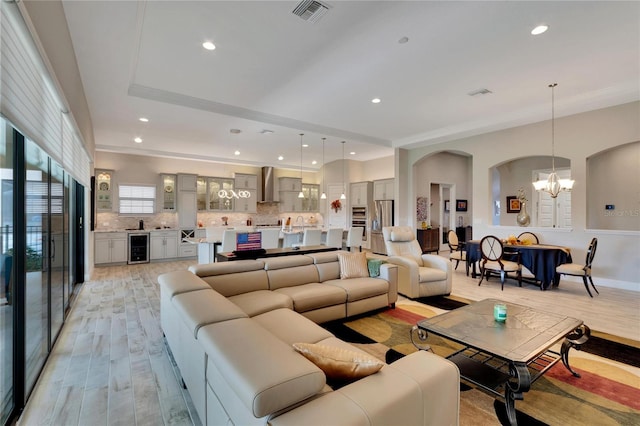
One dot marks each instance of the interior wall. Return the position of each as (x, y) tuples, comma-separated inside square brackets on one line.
[(613, 177), (578, 137)]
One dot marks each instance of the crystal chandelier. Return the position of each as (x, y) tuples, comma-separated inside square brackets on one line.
[(553, 184)]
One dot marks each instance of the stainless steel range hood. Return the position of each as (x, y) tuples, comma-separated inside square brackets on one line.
[(268, 185)]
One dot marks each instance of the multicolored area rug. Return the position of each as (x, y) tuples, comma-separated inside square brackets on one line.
[(608, 393)]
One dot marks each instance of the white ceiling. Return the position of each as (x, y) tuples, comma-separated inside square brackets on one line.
[(273, 70)]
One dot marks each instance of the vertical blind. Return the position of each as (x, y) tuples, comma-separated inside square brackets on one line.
[(30, 100)]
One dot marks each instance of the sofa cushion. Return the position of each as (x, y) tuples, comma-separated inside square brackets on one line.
[(327, 264), (314, 296), (265, 373), (353, 265), (338, 363), (199, 308), (361, 288), (291, 327), (178, 282), (431, 274), (289, 271), (257, 302), (232, 278)]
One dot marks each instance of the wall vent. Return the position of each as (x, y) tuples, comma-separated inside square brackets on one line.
[(311, 10)]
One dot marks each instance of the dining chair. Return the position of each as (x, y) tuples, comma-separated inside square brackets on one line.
[(270, 238), (311, 237), (584, 271), (354, 237), (456, 248), (493, 260), (228, 240), (334, 238), (528, 238)]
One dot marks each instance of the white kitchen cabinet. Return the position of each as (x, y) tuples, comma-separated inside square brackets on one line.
[(311, 200), (246, 205), (167, 193), (383, 189), (110, 247), (289, 184), (104, 190), (201, 193), (163, 245), (289, 201), (187, 182), (187, 210), (360, 193), (244, 181)]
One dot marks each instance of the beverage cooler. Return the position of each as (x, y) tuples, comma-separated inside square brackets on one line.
[(359, 218)]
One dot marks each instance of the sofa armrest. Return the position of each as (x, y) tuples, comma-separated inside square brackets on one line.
[(408, 275), (438, 262), (389, 273), (421, 388)]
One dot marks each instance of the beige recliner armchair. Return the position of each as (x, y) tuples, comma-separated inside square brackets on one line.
[(419, 275)]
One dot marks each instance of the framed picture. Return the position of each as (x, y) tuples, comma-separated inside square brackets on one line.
[(461, 205), (513, 204), (446, 206)]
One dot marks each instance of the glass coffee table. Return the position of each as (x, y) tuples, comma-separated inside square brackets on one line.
[(505, 358)]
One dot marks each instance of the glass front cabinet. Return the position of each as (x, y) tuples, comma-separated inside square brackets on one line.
[(104, 190), (311, 198), (167, 193), (220, 190)]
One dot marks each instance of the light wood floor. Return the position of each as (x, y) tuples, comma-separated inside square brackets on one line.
[(110, 365)]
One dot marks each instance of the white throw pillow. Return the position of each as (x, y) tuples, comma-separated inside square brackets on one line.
[(353, 265)]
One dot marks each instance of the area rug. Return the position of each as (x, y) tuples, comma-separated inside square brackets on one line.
[(608, 393)]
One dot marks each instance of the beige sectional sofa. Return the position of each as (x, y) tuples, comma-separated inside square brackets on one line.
[(231, 328)]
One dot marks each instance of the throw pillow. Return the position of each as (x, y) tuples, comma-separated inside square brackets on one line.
[(353, 265), (374, 267), (338, 363)]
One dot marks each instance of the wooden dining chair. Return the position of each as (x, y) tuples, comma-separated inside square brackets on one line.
[(577, 270), (493, 261), (457, 251), (528, 238)]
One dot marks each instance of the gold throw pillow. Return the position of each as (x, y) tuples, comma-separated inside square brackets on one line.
[(339, 363)]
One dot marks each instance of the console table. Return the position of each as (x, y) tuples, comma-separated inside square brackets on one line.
[(429, 240), (275, 252)]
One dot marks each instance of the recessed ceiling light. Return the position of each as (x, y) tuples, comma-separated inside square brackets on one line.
[(305, 145), (144, 119), (236, 153), (266, 131), (208, 45), (403, 40), (314, 162), (235, 131), (280, 157), (137, 140), (375, 100), (539, 29), (352, 153)]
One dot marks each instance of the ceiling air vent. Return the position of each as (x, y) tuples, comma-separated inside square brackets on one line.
[(311, 10), (479, 92)]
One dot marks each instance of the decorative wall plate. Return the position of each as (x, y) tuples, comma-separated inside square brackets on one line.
[(168, 188), (104, 186)]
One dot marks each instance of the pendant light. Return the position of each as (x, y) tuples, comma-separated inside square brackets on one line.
[(343, 196), (323, 196), (553, 184), (301, 194)]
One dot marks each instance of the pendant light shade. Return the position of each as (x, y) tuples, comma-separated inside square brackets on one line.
[(323, 196), (343, 196), (301, 194), (553, 184)]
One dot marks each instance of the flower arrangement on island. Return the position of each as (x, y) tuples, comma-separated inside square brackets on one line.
[(336, 205)]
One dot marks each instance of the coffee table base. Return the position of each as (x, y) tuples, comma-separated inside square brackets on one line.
[(507, 379)]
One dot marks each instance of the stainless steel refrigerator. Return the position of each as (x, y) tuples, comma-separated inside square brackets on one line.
[(382, 216)]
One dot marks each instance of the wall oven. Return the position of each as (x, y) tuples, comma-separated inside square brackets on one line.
[(359, 218), (138, 248)]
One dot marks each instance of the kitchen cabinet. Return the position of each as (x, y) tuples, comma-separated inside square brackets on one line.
[(289, 201), (187, 182), (187, 212), (290, 184), (104, 190), (163, 245), (201, 193), (360, 193), (246, 187), (110, 247), (428, 239), (220, 196), (167, 193), (311, 200), (383, 189)]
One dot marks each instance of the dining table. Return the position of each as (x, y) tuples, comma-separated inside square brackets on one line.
[(540, 259)]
